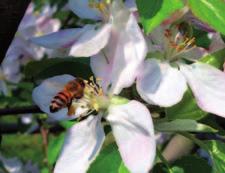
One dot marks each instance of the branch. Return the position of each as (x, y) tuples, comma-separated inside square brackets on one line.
[(20, 110), (11, 13), (12, 128)]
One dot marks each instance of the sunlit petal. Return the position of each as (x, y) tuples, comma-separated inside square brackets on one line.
[(122, 57), (61, 39), (134, 133), (208, 86), (82, 143), (160, 84), (91, 41)]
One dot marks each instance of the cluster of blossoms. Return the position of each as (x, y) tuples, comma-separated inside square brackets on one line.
[(118, 51), (22, 49)]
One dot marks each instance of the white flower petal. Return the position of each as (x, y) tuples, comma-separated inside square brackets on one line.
[(91, 41), (44, 93), (11, 65), (61, 39), (125, 52), (3, 88), (194, 53), (217, 42), (48, 26), (82, 9), (160, 84), (208, 86), (134, 133), (12, 165), (82, 144), (131, 4)]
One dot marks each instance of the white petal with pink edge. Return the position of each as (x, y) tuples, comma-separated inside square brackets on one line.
[(208, 86), (134, 133), (91, 41), (82, 144), (59, 40), (124, 53), (160, 84)]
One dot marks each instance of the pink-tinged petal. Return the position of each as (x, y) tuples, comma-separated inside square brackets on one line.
[(134, 133), (47, 26), (44, 93), (122, 57), (91, 41), (12, 165), (131, 4), (194, 53), (82, 143), (160, 84), (58, 40), (217, 42), (208, 86), (82, 9)]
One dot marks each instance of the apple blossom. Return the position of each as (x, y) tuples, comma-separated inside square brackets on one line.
[(22, 49), (130, 121), (118, 33), (163, 81)]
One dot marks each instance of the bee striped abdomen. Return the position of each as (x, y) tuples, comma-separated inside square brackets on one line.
[(61, 100), (74, 89)]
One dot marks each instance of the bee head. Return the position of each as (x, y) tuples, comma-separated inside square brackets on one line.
[(81, 82)]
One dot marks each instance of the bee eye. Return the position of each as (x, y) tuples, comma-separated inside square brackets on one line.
[(82, 83)]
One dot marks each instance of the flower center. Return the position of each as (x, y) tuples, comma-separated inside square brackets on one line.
[(178, 41), (93, 98)]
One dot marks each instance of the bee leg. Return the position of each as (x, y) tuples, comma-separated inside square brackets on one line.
[(71, 109)]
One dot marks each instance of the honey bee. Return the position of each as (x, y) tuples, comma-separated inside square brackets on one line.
[(74, 89)]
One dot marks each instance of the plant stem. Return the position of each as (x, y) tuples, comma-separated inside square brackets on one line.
[(163, 160), (20, 110)]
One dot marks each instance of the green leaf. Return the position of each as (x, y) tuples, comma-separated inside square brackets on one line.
[(223, 37), (45, 170), (216, 59), (177, 170), (45, 68), (210, 11), (109, 161), (123, 168), (54, 148), (161, 168), (201, 38), (153, 12), (194, 163), (187, 108), (217, 152), (180, 125), (67, 123)]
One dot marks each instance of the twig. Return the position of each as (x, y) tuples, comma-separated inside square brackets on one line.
[(11, 128), (20, 110), (44, 134)]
